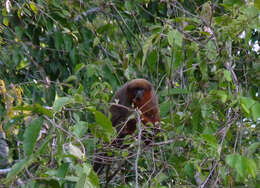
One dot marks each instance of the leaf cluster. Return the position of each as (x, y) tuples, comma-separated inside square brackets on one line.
[(62, 61)]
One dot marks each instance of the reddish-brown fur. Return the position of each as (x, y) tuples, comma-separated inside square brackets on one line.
[(122, 106), (125, 96)]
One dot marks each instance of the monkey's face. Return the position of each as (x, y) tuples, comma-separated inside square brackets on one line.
[(139, 91), (138, 94), (135, 94)]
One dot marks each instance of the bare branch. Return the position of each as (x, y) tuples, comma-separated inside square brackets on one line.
[(5, 171), (138, 148)]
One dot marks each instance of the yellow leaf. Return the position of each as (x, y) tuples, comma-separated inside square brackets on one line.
[(18, 92), (34, 7), (6, 21), (2, 88)]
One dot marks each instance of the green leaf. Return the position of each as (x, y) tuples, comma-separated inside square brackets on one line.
[(178, 38), (171, 37), (71, 78), (164, 108), (96, 41), (16, 169), (88, 178), (251, 167), (125, 154), (232, 2), (76, 117), (210, 139), (174, 38), (30, 135), (152, 59), (177, 58), (247, 103), (44, 144), (211, 50), (63, 169), (252, 148), (189, 169), (102, 120), (129, 5), (227, 75), (4, 11), (222, 95), (241, 166), (256, 111), (67, 42), (84, 182), (251, 107), (19, 13), (60, 102), (148, 43), (58, 40), (91, 70), (6, 21), (257, 4), (80, 128), (189, 28), (79, 67), (19, 31), (237, 162), (104, 125), (35, 108), (232, 160)]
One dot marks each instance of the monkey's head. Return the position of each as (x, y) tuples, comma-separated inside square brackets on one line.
[(139, 91)]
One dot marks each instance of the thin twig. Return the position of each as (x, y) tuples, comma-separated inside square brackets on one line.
[(52, 121), (230, 120), (5, 171), (163, 143), (138, 148), (127, 27), (210, 174)]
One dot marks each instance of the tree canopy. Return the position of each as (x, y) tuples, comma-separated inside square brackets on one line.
[(62, 61)]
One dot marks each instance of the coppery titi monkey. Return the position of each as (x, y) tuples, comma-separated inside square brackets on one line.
[(137, 93)]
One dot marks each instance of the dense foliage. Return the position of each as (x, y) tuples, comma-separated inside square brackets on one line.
[(61, 62)]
